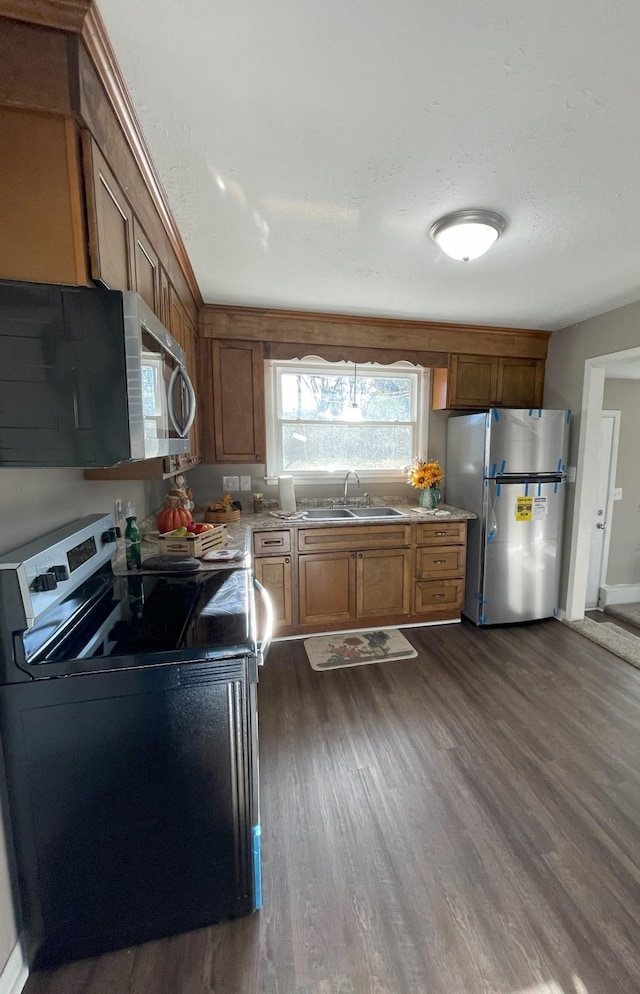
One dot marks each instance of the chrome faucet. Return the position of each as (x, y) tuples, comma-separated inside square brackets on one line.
[(350, 472)]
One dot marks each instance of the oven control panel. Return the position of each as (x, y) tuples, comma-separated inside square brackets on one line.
[(50, 568)]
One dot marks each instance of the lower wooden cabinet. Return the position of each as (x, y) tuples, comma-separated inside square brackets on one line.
[(275, 573), (327, 588), (441, 555), (338, 588), (330, 578), (383, 582)]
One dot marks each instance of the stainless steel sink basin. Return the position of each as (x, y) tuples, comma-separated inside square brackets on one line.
[(327, 513), (376, 512), (337, 513)]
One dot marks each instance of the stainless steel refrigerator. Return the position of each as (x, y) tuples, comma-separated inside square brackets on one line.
[(509, 467)]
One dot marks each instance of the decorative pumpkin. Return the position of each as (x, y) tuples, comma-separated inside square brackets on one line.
[(173, 517)]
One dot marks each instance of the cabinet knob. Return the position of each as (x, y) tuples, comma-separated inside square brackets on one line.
[(359, 555), (286, 559)]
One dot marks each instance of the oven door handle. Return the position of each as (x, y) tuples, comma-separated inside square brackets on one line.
[(263, 648), (181, 430)]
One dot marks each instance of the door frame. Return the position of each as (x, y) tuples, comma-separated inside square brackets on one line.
[(586, 468), (613, 465)]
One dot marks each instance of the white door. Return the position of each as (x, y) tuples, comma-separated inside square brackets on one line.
[(604, 482)]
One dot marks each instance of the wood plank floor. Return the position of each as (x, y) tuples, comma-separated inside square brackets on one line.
[(465, 822)]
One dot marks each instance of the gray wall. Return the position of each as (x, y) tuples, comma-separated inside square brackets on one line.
[(614, 331), (33, 502), (624, 551)]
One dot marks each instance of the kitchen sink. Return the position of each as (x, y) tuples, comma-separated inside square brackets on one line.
[(376, 512), (327, 513), (337, 513)]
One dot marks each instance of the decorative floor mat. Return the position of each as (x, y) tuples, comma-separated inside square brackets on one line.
[(333, 652)]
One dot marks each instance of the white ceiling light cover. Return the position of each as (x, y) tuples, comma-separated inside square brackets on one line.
[(466, 235)]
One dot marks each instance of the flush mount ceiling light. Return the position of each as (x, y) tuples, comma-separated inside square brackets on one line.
[(466, 235)]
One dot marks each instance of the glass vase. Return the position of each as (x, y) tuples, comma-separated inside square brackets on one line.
[(429, 497)]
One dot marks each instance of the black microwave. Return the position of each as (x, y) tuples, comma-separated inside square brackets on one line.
[(89, 378)]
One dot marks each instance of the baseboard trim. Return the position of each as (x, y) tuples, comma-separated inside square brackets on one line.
[(16, 972), (618, 593), (358, 631)]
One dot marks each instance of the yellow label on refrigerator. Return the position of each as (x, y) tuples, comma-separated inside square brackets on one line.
[(524, 508)]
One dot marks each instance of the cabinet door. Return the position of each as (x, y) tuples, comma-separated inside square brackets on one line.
[(327, 587), (164, 298), (383, 582), (520, 382), (43, 237), (237, 382), (472, 381), (274, 573), (176, 322), (147, 269), (111, 242)]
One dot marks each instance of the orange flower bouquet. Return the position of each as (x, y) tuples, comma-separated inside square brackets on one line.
[(426, 477)]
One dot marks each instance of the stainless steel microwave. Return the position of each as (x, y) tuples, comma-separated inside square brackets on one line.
[(88, 377)]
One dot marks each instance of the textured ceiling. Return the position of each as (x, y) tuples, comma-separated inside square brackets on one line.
[(306, 148)]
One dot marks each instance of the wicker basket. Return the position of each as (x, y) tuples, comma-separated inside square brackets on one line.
[(222, 517)]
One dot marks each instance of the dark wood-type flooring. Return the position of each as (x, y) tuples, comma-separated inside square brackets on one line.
[(465, 822)]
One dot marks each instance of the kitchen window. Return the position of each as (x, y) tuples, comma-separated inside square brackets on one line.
[(325, 418)]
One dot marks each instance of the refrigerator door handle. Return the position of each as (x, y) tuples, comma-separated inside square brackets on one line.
[(504, 479)]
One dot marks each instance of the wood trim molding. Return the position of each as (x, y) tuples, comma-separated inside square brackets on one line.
[(305, 328), (337, 353), (66, 15), (98, 46)]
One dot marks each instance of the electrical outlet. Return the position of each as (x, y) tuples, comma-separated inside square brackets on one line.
[(118, 510), (230, 483), (617, 493), (245, 483)]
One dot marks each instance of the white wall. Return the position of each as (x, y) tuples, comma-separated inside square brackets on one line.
[(614, 331), (33, 502), (624, 551)]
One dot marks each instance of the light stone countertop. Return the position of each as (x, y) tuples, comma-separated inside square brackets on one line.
[(267, 521), (240, 532)]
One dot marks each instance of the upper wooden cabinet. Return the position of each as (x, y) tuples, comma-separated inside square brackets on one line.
[(42, 230), (472, 381), (147, 270), (235, 379), (111, 237)]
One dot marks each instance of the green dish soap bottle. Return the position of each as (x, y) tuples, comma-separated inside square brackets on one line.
[(132, 539)]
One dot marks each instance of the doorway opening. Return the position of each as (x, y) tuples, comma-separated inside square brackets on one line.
[(595, 372), (603, 511)]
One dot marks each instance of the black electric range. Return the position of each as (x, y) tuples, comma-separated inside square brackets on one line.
[(128, 711)]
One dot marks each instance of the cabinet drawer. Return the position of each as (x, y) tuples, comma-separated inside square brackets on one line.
[(440, 561), (439, 595), (353, 537), (451, 533), (271, 541)]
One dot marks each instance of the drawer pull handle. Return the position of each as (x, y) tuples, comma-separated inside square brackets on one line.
[(439, 562), (436, 596), (273, 541), (440, 533)]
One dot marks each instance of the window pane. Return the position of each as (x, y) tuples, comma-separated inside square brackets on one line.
[(330, 396), (339, 446)]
